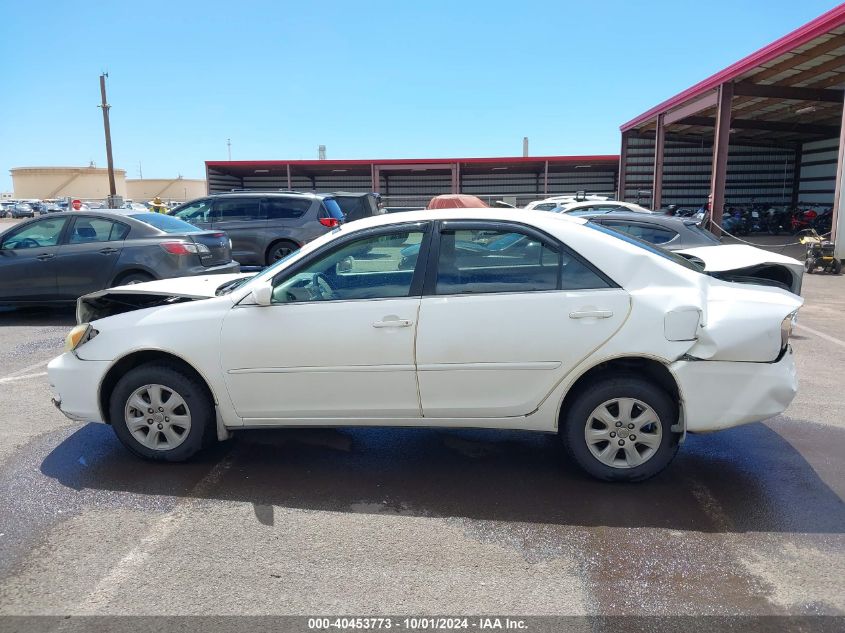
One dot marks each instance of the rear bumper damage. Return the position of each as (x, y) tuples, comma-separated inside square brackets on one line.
[(718, 395)]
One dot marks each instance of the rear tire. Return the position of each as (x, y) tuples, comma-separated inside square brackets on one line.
[(836, 267), (602, 420), (132, 278), (161, 413), (278, 250)]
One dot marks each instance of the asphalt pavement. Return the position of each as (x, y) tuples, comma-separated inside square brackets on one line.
[(748, 521)]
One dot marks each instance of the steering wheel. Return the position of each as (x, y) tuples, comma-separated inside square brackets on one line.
[(320, 287), (27, 242)]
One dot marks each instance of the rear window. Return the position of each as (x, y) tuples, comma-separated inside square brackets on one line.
[(166, 223), (355, 207), (333, 209), (651, 248), (695, 228), (284, 208)]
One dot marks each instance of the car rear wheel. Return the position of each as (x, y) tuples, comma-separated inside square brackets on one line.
[(279, 250), (133, 278), (161, 413), (621, 429)]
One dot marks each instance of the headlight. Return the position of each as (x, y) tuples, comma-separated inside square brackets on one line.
[(786, 329), (78, 336)]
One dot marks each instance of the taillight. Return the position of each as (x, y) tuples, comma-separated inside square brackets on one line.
[(329, 222), (184, 248)]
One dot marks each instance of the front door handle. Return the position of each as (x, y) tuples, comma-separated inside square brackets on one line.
[(45, 257), (591, 314), (108, 251), (393, 323)]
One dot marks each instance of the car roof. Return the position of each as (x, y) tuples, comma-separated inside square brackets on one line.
[(264, 194), (539, 219), (634, 216)]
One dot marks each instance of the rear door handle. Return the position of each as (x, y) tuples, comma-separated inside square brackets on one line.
[(108, 251), (393, 323), (45, 257), (591, 314)]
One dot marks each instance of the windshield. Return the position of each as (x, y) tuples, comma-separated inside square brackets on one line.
[(166, 223), (651, 248)]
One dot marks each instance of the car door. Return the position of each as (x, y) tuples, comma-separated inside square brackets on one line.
[(241, 219), (496, 336), (28, 260), (88, 254), (337, 342)]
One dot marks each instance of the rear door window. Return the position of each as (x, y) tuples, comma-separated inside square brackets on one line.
[(85, 230), (477, 261), (236, 210), (284, 208)]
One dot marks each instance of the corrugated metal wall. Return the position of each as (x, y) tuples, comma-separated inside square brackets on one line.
[(416, 188), (755, 173), (818, 172)]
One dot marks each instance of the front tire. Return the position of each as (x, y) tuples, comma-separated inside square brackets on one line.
[(620, 429), (161, 413)]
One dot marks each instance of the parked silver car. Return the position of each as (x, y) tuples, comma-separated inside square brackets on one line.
[(264, 226)]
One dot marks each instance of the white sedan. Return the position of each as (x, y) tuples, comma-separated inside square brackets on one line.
[(619, 347)]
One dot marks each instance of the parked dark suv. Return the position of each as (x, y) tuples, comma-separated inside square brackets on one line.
[(356, 206), (264, 226)]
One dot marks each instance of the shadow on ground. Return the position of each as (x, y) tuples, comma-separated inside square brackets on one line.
[(744, 479), (31, 317)]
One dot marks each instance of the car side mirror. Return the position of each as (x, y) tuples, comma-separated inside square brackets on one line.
[(262, 295)]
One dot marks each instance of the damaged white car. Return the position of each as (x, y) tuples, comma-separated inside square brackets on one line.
[(618, 346)]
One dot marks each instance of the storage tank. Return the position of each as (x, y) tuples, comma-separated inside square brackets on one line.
[(90, 183)]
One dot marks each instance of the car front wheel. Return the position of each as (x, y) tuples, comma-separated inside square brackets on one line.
[(161, 413), (620, 429)]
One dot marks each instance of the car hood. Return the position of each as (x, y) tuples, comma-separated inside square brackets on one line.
[(748, 264), (119, 299)]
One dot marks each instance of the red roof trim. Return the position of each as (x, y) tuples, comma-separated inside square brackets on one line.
[(821, 25), (605, 158)]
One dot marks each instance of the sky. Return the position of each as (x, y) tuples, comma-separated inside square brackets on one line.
[(368, 79)]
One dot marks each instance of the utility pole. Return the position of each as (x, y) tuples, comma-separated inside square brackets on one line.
[(105, 106), (229, 147)]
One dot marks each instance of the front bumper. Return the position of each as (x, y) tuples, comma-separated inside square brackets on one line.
[(720, 394), (75, 384)]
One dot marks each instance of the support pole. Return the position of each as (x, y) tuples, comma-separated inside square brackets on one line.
[(546, 178), (623, 167), (838, 219), (657, 182), (105, 106), (376, 179), (289, 178), (721, 141), (796, 175)]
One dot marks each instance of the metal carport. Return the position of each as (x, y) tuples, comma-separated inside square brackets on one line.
[(766, 129)]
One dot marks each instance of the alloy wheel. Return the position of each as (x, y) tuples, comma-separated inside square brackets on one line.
[(623, 432), (158, 417)]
